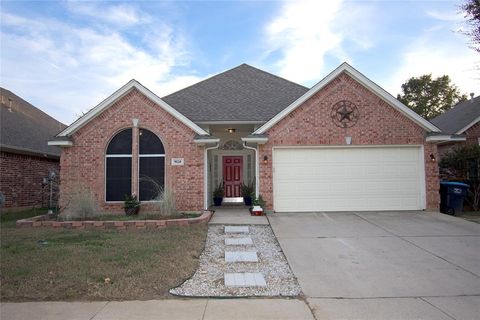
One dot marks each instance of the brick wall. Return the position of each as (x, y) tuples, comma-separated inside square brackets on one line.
[(472, 135), (21, 178), (83, 165), (379, 124)]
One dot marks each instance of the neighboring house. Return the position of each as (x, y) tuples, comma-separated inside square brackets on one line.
[(462, 120), (344, 144), (25, 157)]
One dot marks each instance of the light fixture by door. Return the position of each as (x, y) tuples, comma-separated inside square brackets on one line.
[(231, 130), (265, 159)]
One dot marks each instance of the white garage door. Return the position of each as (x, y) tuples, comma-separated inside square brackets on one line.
[(348, 179)]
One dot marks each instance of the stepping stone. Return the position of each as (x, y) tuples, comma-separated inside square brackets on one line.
[(246, 279), (241, 256), (238, 241), (236, 229)]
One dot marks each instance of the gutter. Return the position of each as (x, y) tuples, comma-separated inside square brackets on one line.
[(205, 173)]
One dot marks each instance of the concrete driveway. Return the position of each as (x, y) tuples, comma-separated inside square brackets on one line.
[(384, 265)]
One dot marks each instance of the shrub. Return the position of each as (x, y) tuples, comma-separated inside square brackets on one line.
[(81, 207), (164, 198), (248, 190), (219, 192), (259, 201), (166, 202), (463, 164)]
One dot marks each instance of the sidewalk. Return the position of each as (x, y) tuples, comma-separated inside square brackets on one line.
[(207, 309)]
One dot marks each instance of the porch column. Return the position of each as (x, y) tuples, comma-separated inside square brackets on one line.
[(135, 142)]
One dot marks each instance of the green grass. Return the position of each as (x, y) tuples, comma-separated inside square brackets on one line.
[(48, 264), (9, 218)]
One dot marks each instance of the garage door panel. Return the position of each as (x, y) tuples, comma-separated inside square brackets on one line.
[(342, 179)]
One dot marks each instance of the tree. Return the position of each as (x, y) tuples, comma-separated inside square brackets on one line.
[(471, 9), (430, 97), (463, 164)]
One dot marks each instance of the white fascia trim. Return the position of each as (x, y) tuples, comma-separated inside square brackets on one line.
[(229, 122), (444, 138), (202, 142), (255, 140), (471, 124), (369, 84), (119, 94), (60, 143)]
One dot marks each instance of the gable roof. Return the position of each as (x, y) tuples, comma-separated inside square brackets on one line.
[(24, 128), (92, 113), (460, 118), (367, 83), (243, 93)]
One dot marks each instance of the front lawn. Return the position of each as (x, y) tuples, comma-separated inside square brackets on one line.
[(47, 264)]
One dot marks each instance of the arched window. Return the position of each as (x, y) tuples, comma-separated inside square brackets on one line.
[(151, 165), (119, 166)]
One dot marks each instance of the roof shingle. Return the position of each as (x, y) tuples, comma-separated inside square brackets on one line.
[(26, 128), (243, 93), (460, 116)]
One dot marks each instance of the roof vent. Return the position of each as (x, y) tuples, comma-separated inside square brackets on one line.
[(471, 96)]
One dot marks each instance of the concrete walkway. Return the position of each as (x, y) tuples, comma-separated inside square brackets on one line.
[(235, 215), (206, 309)]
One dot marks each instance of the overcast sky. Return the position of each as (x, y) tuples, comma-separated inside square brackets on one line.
[(65, 57)]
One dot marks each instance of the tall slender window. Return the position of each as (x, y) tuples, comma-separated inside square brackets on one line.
[(119, 166), (151, 165)]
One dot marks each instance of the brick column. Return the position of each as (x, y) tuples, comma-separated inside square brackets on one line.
[(135, 160)]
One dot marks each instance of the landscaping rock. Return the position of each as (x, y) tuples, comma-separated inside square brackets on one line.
[(208, 280)]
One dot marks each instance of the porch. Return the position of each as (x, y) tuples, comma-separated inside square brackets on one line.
[(233, 214)]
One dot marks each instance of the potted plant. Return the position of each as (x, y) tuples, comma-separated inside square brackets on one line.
[(218, 194), (131, 205), (247, 193), (258, 205)]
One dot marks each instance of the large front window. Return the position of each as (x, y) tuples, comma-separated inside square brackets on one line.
[(151, 166), (119, 162)]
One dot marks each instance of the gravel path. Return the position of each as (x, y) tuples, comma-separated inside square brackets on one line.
[(208, 279)]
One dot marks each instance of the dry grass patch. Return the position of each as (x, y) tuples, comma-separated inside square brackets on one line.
[(41, 264)]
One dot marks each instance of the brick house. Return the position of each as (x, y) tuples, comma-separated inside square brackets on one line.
[(463, 121), (25, 157), (344, 144)]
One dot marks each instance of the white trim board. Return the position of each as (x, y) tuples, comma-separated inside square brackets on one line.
[(118, 95), (468, 126), (367, 83)]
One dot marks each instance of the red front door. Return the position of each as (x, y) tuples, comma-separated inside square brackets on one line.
[(232, 176)]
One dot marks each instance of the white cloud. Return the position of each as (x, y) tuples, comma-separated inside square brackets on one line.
[(306, 32), (66, 70), (119, 14), (303, 34), (449, 56)]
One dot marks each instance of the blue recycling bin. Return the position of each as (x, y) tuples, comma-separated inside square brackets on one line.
[(452, 195)]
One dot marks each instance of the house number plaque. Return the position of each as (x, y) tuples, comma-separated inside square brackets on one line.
[(178, 161)]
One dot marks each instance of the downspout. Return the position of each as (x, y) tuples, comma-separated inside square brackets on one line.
[(257, 168), (205, 174)]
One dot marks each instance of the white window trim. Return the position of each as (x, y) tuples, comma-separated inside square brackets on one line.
[(146, 155), (105, 175)]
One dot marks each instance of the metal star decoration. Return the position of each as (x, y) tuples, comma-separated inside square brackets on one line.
[(345, 114)]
